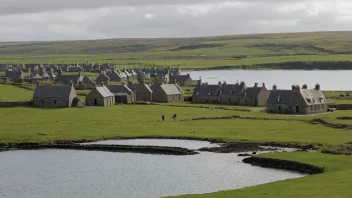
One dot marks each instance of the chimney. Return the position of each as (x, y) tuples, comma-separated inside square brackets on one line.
[(305, 86), (263, 84), (317, 87), (255, 84), (274, 88), (293, 87)]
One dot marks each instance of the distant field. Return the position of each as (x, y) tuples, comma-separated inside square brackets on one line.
[(203, 52), (14, 94)]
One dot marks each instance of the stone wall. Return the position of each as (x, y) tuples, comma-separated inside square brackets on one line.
[(15, 104)]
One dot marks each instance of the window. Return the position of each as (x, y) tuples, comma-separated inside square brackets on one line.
[(308, 100), (197, 93), (278, 99), (231, 92), (42, 101), (209, 94), (313, 100), (220, 92)]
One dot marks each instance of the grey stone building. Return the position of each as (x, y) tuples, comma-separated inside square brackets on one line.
[(297, 101), (67, 79), (122, 94), (100, 96), (182, 80), (17, 76), (143, 92), (87, 83), (167, 93), (231, 94), (55, 97)]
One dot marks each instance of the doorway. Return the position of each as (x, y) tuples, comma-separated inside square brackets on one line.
[(279, 108), (297, 109), (95, 102)]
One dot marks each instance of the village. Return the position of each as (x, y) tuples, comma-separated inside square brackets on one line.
[(56, 87)]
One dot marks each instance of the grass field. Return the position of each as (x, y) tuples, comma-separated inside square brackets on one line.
[(10, 93)]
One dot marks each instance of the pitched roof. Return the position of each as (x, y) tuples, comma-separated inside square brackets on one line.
[(104, 91), (119, 89), (14, 74), (133, 87), (207, 90), (68, 78), (312, 96), (252, 92), (280, 97), (87, 80), (170, 89), (102, 78), (52, 91)]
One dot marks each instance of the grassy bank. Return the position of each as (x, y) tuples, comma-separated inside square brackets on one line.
[(335, 182), (10, 93)]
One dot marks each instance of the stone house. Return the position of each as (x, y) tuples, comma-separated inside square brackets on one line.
[(87, 83), (115, 76), (67, 79), (297, 101), (102, 78), (55, 97), (122, 94), (231, 94), (17, 76), (4, 80), (182, 80), (100, 96), (143, 92), (167, 93)]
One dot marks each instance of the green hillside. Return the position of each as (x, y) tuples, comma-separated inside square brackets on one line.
[(187, 52)]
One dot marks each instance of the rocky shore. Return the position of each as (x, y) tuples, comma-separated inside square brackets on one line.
[(284, 165)]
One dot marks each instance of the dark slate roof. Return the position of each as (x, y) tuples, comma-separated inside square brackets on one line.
[(180, 78), (207, 90), (104, 91), (280, 97), (312, 96), (102, 78), (87, 80), (68, 78), (14, 74), (52, 91), (229, 89), (252, 92), (133, 87), (119, 89)]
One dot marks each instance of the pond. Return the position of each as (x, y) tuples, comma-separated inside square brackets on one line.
[(284, 79), (71, 173)]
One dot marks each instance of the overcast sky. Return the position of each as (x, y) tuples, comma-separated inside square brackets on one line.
[(23, 20)]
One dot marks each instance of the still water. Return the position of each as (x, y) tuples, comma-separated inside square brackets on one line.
[(69, 173), (284, 79)]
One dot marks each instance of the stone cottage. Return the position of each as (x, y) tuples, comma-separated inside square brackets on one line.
[(55, 97), (87, 83), (100, 96), (67, 79), (167, 93), (297, 101), (143, 92), (17, 76), (122, 94), (182, 80), (232, 94), (102, 78)]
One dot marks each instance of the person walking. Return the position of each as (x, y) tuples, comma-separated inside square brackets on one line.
[(174, 117), (163, 117)]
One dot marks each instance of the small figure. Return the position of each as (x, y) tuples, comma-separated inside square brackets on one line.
[(174, 117), (163, 117)]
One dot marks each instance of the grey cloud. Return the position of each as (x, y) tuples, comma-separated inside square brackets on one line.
[(181, 20)]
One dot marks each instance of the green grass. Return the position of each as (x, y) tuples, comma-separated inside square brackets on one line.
[(335, 182), (9, 93), (188, 91), (18, 125), (261, 49)]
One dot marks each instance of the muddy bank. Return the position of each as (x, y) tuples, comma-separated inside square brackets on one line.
[(161, 150), (239, 147), (284, 165)]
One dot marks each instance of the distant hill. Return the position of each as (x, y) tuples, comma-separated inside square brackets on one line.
[(251, 45)]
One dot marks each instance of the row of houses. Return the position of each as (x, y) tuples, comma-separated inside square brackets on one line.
[(297, 100), (66, 96), (158, 75)]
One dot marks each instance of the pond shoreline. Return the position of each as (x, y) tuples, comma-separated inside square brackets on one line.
[(225, 146), (284, 165)]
